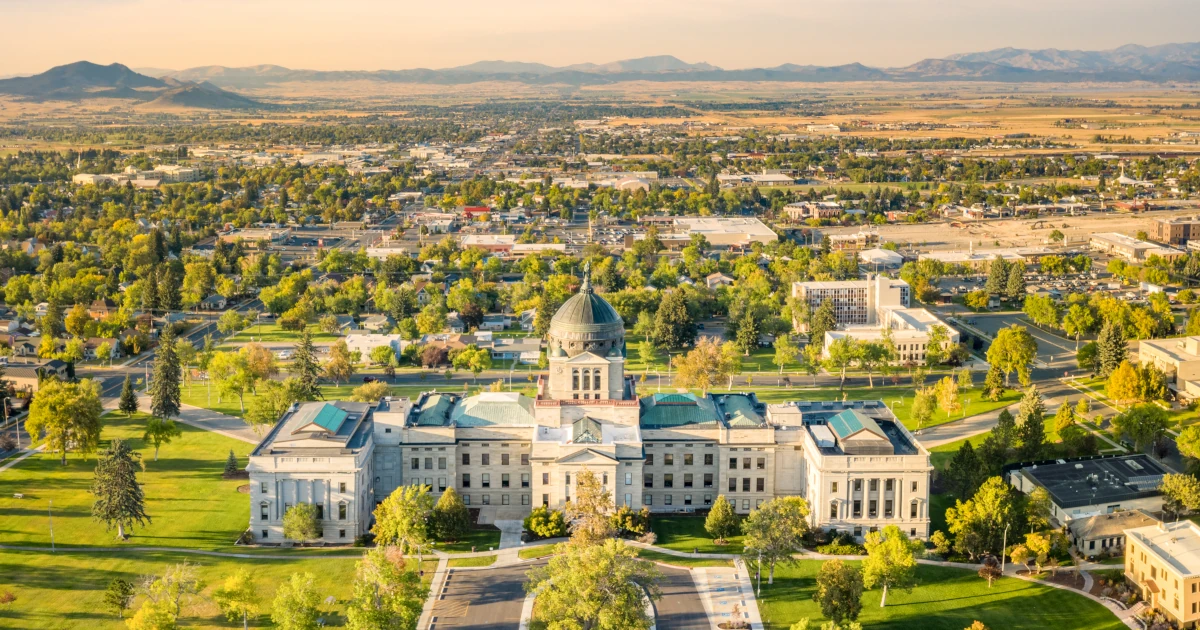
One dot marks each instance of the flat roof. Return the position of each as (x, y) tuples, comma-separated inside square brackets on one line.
[(1175, 544), (1073, 484)]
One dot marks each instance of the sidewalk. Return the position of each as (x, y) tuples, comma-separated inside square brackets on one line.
[(726, 592)]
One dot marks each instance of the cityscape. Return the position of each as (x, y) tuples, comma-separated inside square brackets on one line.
[(901, 332)]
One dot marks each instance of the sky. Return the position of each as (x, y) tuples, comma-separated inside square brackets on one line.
[(398, 34)]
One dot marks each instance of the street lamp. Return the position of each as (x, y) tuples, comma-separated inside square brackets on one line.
[(758, 574), (1003, 547)]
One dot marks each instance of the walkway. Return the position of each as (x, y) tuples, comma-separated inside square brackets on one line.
[(231, 427)]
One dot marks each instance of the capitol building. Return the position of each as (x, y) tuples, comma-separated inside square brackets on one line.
[(505, 453)]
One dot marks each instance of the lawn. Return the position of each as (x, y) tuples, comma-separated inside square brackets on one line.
[(66, 590), (273, 333), (483, 539), (189, 503), (946, 599), (680, 561), (541, 551), (686, 533), (477, 561)]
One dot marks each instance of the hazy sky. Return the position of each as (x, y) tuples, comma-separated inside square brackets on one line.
[(396, 34)]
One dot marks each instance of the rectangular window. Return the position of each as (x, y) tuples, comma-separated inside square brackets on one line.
[(342, 487), (760, 484), (708, 480), (857, 512), (732, 463), (687, 459), (485, 459), (441, 484), (833, 488), (914, 486), (650, 459), (667, 500), (687, 480), (342, 532), (668, 480), (263, 512), (912, 510), (264, 533), (873, 485), (320, 512), (887, 508), (545, 478), (466, 459), (745, 505), (341, 511), (647, 499), (668, 459), (487, 499), (504, 480), (708, 499), (441, 463), (466, 480), (524, 499), (629, 479), (628, 500), (262, 487), (872, 509), (648, 480), (745, 463), (761, 463), (708, 459), (858, 485), (604, 479), (428, 463), (687, 499), (733, 484), (416, 463), (745, 484), (504, 459), (485, 481), (889, 485), (545, 499), (504, 499), (524, 459), (524, 480)]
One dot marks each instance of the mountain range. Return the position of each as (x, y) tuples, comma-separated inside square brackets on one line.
[(84, 80), (210, 86)]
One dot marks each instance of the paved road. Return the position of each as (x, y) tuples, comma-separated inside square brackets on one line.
[(486, 599), (680, 607)]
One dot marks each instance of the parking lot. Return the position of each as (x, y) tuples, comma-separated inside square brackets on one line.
[(1053, 351)]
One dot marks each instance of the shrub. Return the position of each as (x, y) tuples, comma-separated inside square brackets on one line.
[(546, 523), (300, 522)]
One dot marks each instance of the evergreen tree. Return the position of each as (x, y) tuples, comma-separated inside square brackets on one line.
[(964, 473), (993, 384), (231, 464), (119, 499), (129, 401), (747, 332), (823, 321), (997, 277), (1031, 430), (119, 596), (150, 291), (164, 387), (169, 289), (1005, 430), (1112, 349), (1014, 286), (673, 325), (451, 518), (307, 369)]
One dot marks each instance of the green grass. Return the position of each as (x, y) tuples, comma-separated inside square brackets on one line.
[(686, 533), (541, 551), (189, 503), (945, 599), (681, 561), (477, 561), (481, 539), (274, 334)]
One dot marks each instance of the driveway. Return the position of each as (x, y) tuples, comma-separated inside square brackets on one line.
[(485, 599), (680, 607)]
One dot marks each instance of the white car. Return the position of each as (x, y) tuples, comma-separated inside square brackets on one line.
[(284, 354)]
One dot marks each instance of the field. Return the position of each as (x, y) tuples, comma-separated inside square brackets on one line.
[(686, 533), (482, 539), (273, 333), (945, 599)]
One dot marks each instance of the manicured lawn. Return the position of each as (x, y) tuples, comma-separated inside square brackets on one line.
[(66, 590), (946, 599), (541, 551), (477, 561), (680, 561), (481, 539), (189, 503), (273, 333), (686, 533)]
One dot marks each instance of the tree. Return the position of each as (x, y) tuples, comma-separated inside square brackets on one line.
[(923, 405), (1020, 554), (118, 597), (965, 472), (747, 332), (230, 322), (388, 592), (300, 522), (721, 522), (822, 321), (775, 530), (370, 392), (1042, 310), (704, 366), (588, 511), (129, 401), (160, 431), (1064, 417), (451, 518), (839, 591), (78, 323), (231, 465), (989, 570), (238, 597), (1039, 509), (473, 358), (1014, 286), (339, 367), (841, 354), (997, 278), (595, 587), (1087, 357), (647, 352), (67, 415), (1078, 321), (976, 300), (384, 357), (1039, 546), (785, 351), (871, 356), (978, 524), (1182, 493), (1013, 349), (1031, 430), (1188, 443), (231, 374), (891, 560), (297, 604), (947, 394), (119, 499), (260, 362), (273, 400), (1112, 350), (546, 523), (402, 519), (941, 544), (673, 326), (153, 615), (1083, 407), (1144, 424), (1123, 384), (306, 369)]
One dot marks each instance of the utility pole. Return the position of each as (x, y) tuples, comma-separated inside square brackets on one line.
[(1003, 546)]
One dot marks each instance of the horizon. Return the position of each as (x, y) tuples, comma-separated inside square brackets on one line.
[(315, 35)]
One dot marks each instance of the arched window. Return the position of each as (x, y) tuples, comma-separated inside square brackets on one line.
[(596, 379), (587, 375), (263, 511), (575, 379)]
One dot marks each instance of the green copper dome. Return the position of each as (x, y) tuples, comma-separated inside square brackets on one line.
[(586, 323)]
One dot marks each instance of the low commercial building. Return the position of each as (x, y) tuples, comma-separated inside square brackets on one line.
[(911, 330), (720, 232), (1081, 488), (881, 258), (1163, 562), (274, 235), (1104, 534), (981, 259), (863, 239), (1177, 230), (1179, 359), (1130, 248), (801, 210)]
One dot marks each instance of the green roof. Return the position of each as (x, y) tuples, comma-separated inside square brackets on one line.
[(674, 410), (329, 417), (852, 421), (494, 409), (586, 431), (434, 410), (741, 411)]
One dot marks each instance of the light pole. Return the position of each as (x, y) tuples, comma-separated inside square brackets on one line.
[(1003, 547), (758, 574), (50, 512)]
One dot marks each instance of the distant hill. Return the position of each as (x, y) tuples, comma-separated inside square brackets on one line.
[(1123, 59), (659, 63), (84, 79)]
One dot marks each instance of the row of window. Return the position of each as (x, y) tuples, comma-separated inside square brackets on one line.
[(267, 534), (668, 480), (668, 459), (856, 509), (485, 459), (590, 379), (505, 499), (264, 510), (485, 480), (262, 487), (856, 485)]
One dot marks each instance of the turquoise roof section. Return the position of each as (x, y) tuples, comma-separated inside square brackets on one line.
[(677, 410), (329, 418), (435, 410), (852, 421), (741, 411), (494, 409)]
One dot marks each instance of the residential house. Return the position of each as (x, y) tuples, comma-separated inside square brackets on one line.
[(214, 302), (1104, 534), (377, 323), (102, 308), (717, 279)]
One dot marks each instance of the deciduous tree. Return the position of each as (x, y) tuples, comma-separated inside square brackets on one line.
[(597, 587), (775, 530), (721, 522), (67, 415), (891, 560), (839, 591), (402, 519), (297, 603), (238, 597)]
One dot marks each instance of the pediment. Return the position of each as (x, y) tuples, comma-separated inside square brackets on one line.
[(587, 456), (587, 358)]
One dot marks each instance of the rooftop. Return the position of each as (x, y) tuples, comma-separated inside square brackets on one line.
[(1114, 524), (1078, 483), (1175, 544)]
